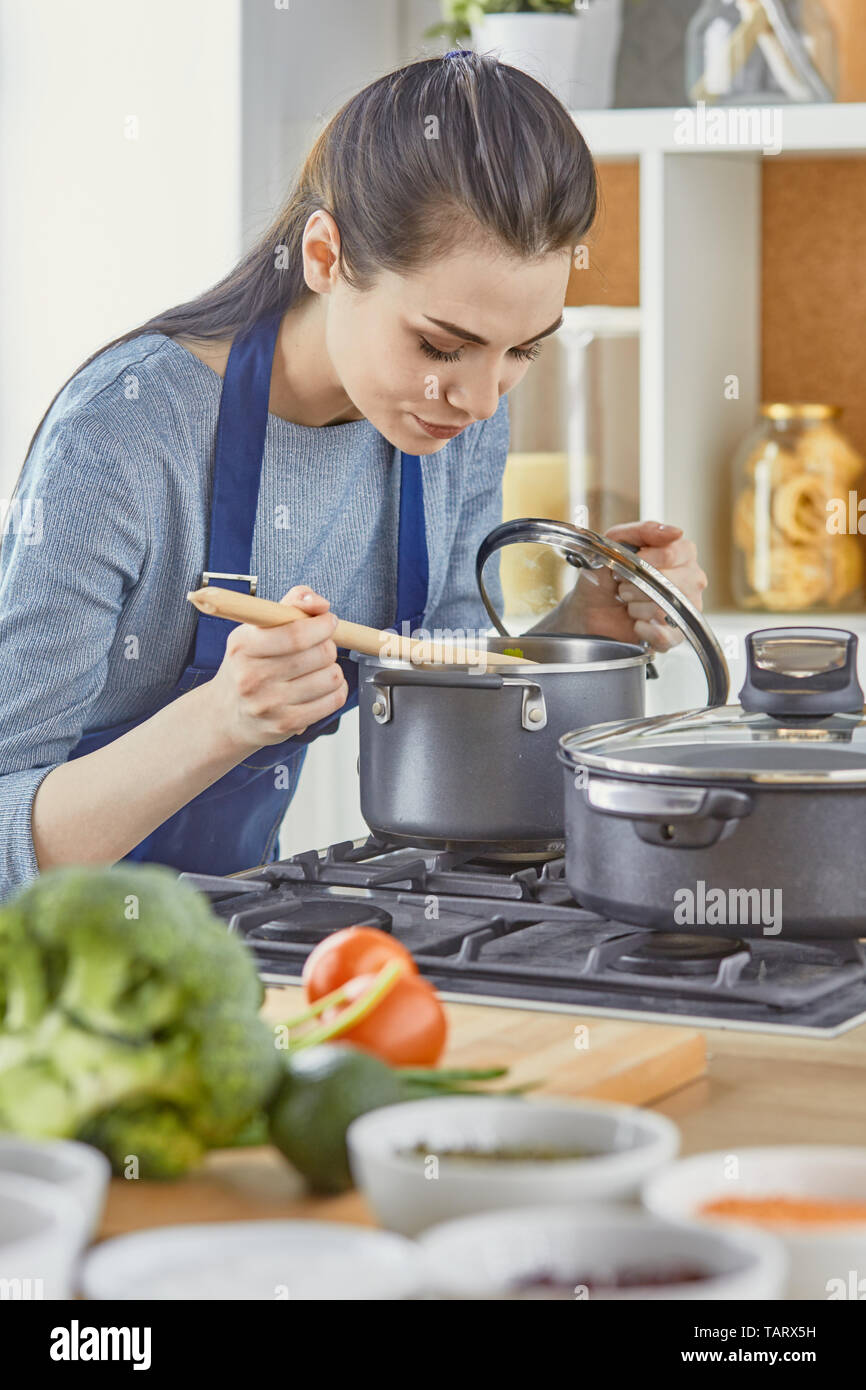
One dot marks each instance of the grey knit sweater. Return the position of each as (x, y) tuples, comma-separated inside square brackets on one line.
[(108, 530)]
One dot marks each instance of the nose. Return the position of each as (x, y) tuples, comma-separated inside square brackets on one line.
[(478, 398)]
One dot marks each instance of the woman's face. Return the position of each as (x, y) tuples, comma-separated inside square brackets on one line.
[(399, 363)]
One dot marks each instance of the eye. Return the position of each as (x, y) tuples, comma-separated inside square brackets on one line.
[(522, 354), (438, 356)]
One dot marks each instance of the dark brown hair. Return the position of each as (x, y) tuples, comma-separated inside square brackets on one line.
[(421, 160)]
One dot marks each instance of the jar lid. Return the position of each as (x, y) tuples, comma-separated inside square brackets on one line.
[(800, 410), (586, 551), (800, 722)]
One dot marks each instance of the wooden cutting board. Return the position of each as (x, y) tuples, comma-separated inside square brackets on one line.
[(607, 1059)]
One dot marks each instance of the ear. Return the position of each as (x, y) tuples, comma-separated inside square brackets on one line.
[(320, 247)]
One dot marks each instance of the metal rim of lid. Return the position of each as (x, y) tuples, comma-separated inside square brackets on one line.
[(573, 540), (619, 663), (576, 751)]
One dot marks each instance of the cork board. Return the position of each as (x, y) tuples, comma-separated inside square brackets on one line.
[(813, 314), (847, 18), (813, 311), (612, 275)]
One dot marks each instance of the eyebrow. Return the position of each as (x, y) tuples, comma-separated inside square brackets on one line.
[(476, 338)]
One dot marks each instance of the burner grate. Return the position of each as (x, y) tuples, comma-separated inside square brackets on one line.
[(507, 930)]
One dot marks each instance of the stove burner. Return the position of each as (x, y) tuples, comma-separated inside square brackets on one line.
[(541, 856), (476, 851), (493, 928), (674, 954), (306, 921)]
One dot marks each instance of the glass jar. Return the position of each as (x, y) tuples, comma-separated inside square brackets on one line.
[(795, 525), (747, 52)]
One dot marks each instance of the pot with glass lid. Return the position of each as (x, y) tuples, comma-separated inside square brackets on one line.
[(742, 821), (464, 757)]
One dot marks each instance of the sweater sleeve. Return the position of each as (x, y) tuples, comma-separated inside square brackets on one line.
[(460, 606), (75, 537)]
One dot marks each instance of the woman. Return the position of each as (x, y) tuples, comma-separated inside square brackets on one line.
[(330, 418)]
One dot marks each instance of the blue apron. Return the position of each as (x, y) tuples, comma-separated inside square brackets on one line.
[(234, 823)]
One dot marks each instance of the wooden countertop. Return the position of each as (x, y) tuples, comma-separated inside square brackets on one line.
[(765, 1088), (757, 1089)]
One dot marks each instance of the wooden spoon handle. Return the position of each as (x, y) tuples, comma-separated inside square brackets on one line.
[(263, 612)]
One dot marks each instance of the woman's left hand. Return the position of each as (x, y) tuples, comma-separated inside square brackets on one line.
[(620, 610)]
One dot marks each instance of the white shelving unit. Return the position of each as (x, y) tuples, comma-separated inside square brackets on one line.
[(700, 250), (836, 128)]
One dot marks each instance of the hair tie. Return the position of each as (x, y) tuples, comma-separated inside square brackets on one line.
[(459, 52)]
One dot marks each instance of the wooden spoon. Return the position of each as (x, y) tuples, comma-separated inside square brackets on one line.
[(262, 612)]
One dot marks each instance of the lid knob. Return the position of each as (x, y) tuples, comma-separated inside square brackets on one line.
[(802, 672)]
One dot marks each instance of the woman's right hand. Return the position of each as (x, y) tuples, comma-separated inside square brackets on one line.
[(275, 682)]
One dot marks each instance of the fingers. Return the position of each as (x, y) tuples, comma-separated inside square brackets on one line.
[(660, 637), (596, 585), (672, 555), (287, 640), (645, 533), (302, 596), (644, 610), (319, 709), (307, 689), (665, 548), (286, 705), (286, 667), (689, 578)]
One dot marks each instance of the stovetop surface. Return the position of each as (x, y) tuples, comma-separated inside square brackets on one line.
[(510, 933)]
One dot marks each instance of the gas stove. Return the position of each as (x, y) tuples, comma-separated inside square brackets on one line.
[(508, 932)]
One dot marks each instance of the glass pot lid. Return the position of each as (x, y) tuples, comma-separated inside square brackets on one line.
[(800, 721), (545, 560)]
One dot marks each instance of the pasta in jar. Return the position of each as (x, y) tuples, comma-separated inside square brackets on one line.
[(796, 543)]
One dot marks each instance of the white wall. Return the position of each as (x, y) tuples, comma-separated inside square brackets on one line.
[(98, 230), (300, 64)]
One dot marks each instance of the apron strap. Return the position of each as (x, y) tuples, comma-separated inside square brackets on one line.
[(240, 442), (238, 453), (412, 559)]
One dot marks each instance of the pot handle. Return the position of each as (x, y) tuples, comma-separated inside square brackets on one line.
[(533, 710), (666, 814)]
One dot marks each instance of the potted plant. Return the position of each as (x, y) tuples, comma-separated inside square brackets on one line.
[(570, 45)]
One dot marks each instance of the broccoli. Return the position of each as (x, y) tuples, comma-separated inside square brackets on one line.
[(157, 1137), (128, 1017)]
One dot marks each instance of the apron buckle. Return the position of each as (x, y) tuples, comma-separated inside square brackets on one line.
[(252, 579)]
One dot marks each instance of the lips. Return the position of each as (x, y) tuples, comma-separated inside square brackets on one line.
[(438, 431)]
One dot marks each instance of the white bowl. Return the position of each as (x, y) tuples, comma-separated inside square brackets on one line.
[(825, 1261), (498, 1254), (255, 1260), (42, 1232), (410, 1193), (78, 1168)]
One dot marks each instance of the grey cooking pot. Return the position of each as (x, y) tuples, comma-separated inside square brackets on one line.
[(744, 821), (456, 758)]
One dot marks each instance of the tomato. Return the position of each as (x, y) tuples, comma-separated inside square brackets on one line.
[(407, 1028), (350, 952)]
